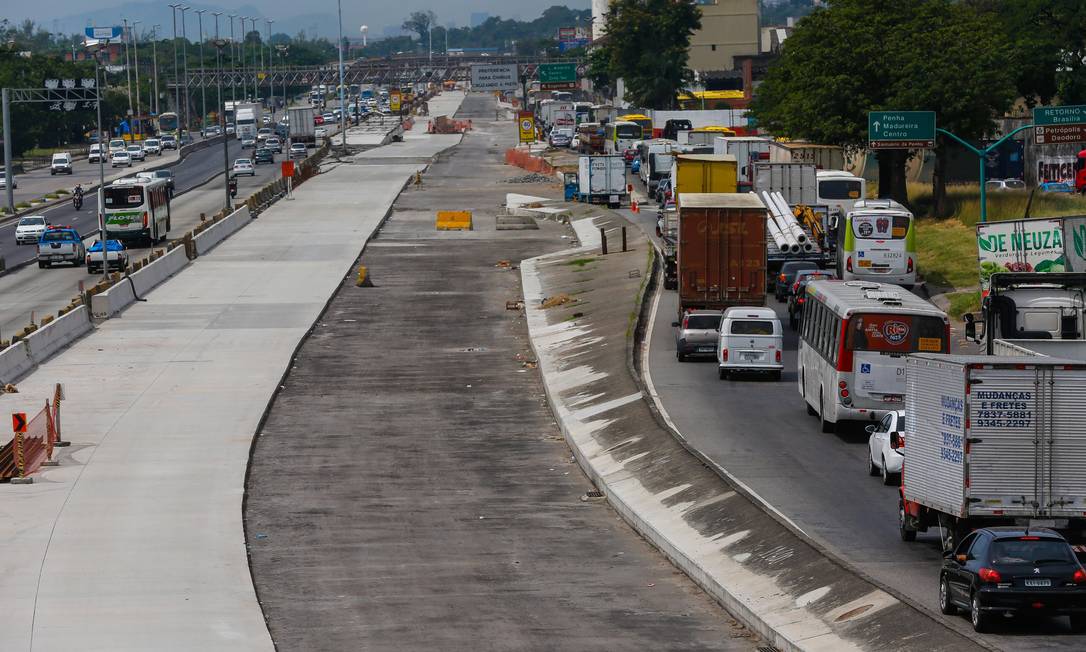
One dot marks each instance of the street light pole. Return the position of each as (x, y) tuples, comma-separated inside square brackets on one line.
[(97, 51), (136, 50), (219, 45), (342, 104), (185, 61), (233, 60), (176, 77), (271, 78), (154, 64), (203, 88), (127, 36), (256, 70)]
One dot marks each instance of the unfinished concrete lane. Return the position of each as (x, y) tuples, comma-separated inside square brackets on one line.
[(410, 490)]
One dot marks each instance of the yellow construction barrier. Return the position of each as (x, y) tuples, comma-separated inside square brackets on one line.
[(453, 221)]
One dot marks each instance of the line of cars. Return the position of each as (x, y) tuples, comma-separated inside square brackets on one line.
[(122, 154)]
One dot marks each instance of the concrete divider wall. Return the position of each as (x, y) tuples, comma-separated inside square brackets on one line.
[(14, 362), (124, 293), (221, 230), (57, 334)]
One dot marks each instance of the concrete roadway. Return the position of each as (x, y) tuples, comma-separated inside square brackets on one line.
[(44, 291), (759, 431)]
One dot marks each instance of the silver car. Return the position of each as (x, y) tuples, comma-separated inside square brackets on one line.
[(697, 334)]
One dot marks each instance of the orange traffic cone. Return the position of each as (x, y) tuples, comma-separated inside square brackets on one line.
[(633, 207)]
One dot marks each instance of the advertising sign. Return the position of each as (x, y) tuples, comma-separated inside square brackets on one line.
[(394, 101), (567, 33), (490, 77), (526, 126), (1056, 168), (1020, 246), (1074, 231)]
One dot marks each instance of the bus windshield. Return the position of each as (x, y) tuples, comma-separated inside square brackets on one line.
[(880, 227), (123, 196), (627, 132), (896, 333), (840, 189)]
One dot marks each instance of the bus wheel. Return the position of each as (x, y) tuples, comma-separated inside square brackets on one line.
[(827, 426)]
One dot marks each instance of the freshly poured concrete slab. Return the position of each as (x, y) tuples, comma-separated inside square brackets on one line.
[(135, 542)]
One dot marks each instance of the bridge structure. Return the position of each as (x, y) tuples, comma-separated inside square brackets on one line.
[(385, 71)]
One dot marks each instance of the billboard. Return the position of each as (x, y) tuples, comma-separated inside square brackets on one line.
[(494, 77)]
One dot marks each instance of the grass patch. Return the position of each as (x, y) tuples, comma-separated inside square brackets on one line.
[(52, 195), (22, 204), (964, 200), (581, 262), (60, 191), (947, 252), (963, 302)]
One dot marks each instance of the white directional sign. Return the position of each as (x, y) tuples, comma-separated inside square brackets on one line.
[(104, 33), (493, 77)]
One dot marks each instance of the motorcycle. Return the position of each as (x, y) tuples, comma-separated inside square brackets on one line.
[(234, 187), (77, 201)]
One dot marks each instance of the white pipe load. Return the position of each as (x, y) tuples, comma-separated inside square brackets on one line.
[(778, 237), (790, 220), (782, 225)]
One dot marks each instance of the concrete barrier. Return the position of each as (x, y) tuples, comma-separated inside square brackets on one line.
[(14, 362), (43, 343), (124, 293), (221, 230)]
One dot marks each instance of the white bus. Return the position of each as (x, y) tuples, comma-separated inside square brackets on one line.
[(621, 137), (877, 242), (137, 209), (852, 347)]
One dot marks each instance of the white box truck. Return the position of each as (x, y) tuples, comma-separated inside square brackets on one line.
[(301, 126), (248, 120), (602, 180), (796, 181), (992, 441), (747, 150)]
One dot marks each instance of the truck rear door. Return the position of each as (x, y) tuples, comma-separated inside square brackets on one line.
[(1065, 448)]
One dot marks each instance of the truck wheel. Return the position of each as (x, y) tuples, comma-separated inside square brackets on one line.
[(903, 529), (827, 426)]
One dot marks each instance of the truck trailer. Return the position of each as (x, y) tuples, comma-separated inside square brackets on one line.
[(602, 180), (721, 258), (301, 126), (992, 441)]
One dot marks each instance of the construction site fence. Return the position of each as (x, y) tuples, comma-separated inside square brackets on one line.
[(28, 451)]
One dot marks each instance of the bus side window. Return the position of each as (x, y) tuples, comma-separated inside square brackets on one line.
[(834, 348), (819, 326), (805, 325)]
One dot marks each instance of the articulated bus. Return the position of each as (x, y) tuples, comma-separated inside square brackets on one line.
[(168, 123), (137, 210), (852, 347), (621, 137), (643, 120), (876, 241)]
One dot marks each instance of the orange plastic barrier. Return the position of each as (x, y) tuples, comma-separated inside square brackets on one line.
[(26, 452), (523, 159)]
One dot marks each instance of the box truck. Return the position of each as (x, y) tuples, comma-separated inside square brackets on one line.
[(823, 157), (747, 151), (301, 126), (602, 180), (797, 182), (703, 173), (992, 441), (721, 251)]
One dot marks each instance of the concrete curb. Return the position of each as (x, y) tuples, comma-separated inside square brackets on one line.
[(790, 615), (131, 288), (206, 240), (25, 355)]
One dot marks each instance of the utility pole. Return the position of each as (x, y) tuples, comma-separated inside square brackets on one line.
[(271, 78), (219, 45), (136, 50), (233, 61), (342, 102), (203, 88), (256, 70)]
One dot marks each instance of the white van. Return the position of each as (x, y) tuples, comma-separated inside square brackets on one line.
[(60, 164), (839, 191), (751, 339)]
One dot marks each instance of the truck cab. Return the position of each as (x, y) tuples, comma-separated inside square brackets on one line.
[(1030, 306)]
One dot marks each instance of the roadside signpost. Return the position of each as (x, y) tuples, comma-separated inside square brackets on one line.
[(901, 129), (1059, 124), (18, 421), (526, 126), (494, 77), (557, 76)]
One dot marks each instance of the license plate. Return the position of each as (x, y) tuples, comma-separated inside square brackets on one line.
[(706, 349), (614, 199), (865, 263), (750, 357), (1038, 582)]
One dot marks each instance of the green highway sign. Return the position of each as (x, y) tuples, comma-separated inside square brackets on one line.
[(1052, 116), (901, 129), (557, 73)]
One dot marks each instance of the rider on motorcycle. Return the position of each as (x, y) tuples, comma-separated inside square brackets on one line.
[(77, 198)]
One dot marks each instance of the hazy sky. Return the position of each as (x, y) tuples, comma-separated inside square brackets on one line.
[(290, 15)]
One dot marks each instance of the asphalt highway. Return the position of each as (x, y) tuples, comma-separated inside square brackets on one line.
[(759, 431)]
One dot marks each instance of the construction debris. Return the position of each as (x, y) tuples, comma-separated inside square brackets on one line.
[(534, 177)]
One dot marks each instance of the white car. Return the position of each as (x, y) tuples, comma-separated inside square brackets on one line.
[(244, 166), (95, 154), (152, 146), (881, 459), (4, 180), (751, 339), (121, 158), (136, 153), (320, 132), (117, 145), (30, 229), (297, 150)]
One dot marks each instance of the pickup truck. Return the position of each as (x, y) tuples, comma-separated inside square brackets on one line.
[(60, 244), (116, 256)]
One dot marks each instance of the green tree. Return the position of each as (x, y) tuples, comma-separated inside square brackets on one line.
[(647, 45), (419, 22)]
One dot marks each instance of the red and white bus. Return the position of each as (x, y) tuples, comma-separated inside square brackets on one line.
[(853, 342)]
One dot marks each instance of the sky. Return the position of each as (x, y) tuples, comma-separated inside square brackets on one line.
[(290, 16)]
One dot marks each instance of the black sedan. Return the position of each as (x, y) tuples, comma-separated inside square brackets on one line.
[(797, 294), (1019, 571), (264, 155)]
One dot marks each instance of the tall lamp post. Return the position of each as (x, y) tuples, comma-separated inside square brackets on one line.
[(127, 36), (342, 101), (136, 51), (203, 89), (271, 78), (219, 45), (185, 62), (283, 49), (176, 77), (154, 64), (256, 70), (96, 48), (233, 60)]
